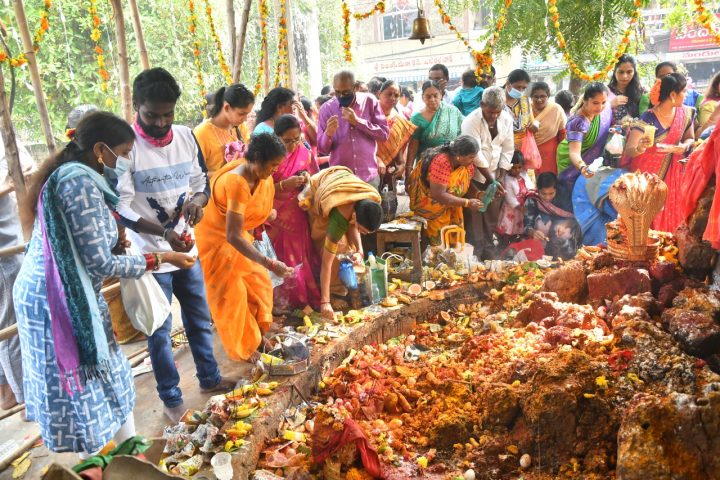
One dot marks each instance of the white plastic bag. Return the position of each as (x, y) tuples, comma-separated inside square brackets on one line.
[(145, 302)]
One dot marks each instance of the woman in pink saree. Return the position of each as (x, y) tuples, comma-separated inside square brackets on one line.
[(290, 230), (666, 153)]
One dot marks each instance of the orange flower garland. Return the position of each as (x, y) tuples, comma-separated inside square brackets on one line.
[(20, 60), (483, 58), (263, 8), (218, 44), (95, 35), (44, 25), (379, 7), (705, 18), (555, 19), (347, 41), (282, 76), (196, 54)]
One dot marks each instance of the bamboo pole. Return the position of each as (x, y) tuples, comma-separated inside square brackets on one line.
[(10, 251), (139, 36), (125, 96), (12, 411), (292, 62), (34, 73), (240, 41), (26, 445), (230, 14), (8, 332), (8, 137)]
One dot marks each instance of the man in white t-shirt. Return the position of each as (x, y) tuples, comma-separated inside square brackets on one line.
[(492, 126), (161, 197)]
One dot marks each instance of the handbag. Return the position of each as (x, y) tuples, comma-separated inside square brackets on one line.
[(530, 151), (263, 245), (145, 302)]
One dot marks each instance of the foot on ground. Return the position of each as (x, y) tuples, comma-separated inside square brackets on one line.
[(174, 414), (224, 385)]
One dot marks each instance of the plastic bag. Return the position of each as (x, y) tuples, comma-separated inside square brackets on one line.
[(376, 279), (304, 199), (530, 151), (389, 204), (264, 246), (145, 303)]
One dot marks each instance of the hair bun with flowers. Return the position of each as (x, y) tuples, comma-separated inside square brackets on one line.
[(655, 92)]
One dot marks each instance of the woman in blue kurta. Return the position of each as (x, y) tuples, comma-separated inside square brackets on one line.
[(78, 384)]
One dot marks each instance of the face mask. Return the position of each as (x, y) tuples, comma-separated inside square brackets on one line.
[(346, 100), (122, 165), (515, 93)]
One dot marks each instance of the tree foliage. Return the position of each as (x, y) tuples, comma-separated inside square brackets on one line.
[(592, 28), (69, 71)]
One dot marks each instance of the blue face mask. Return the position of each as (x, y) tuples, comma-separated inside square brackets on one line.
[(515, 93), (122, 165)]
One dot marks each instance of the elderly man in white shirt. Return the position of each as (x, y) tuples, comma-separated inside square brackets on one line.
[(492, 127)]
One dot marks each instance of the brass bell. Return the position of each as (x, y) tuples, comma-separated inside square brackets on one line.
[(421, 27)]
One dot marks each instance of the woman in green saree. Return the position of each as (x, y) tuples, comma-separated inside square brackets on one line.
[(587, 132), (437, 123)]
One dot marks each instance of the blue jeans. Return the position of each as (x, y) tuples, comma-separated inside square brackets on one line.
[(189, 288)]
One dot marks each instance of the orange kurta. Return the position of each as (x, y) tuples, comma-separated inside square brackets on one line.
[(239, 290)]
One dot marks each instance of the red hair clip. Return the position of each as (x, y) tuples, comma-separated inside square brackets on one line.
[(70, 133)]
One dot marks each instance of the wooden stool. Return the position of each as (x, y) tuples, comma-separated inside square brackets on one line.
[(390, 233)]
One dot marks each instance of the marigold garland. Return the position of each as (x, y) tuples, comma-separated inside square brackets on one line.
[(218, 44), (347, 41), (705, 18), (20, 59), (622, 47), (95, 36), (193, 18), (483, 58), (282, 76), (264, 13), (379, 7)]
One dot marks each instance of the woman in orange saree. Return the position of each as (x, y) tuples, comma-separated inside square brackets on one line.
[(665, 155), (239, 290), (439, 183)]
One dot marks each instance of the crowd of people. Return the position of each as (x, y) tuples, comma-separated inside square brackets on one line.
[(245, 217)]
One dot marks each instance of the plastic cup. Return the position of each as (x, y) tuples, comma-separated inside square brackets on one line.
[(650, 134), (222, 466)]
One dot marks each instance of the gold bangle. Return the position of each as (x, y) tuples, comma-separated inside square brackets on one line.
[(467, 202), (282, 185)]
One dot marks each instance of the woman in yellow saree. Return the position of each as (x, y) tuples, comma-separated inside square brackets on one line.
[(239, 290), (440, 181), (341, 207)]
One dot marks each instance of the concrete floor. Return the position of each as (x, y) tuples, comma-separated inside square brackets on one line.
[(149, 418)]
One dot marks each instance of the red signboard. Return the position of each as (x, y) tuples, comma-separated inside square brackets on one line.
[(691, 37)]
